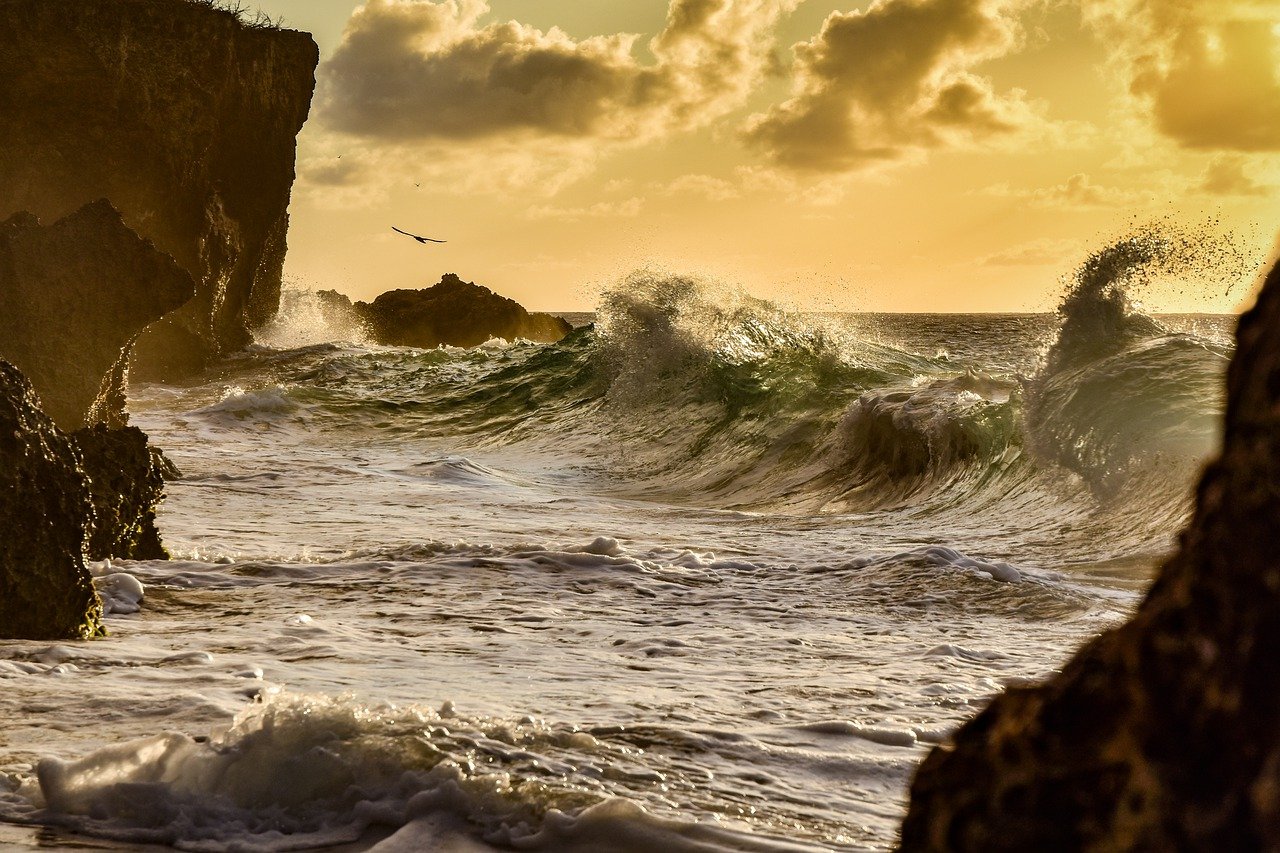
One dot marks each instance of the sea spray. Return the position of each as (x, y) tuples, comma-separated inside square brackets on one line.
[(1120, 400), (306, 318)]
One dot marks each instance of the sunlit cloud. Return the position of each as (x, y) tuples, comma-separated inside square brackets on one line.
[(412, 70), (627, 209), (1078, 192), (1205, 72), (1227, 175), (1035, 253), (704, 186), (897, 78)]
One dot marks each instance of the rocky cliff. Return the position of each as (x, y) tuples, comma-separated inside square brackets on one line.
[(1163, 734), (46, 515), (73, 298), (453, 312), (185, 118)]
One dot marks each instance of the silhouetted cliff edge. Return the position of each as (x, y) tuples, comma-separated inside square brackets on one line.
[(1163, 734), (186, 119)]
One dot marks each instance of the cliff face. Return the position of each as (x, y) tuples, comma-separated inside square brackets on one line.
[(46, 592), (456, 313), (1163, 734), (186, 120), (73, 298)]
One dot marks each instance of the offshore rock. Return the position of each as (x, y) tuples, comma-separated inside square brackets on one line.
[(46, 592), (182, 114), (126, 484), (73, 298), (1163, 734), (454, 313)]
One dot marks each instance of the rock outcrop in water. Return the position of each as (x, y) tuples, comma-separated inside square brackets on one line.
[(74, 296), (126, 483), (183, 116), (1163, 734), (454, 312), (46, 592)]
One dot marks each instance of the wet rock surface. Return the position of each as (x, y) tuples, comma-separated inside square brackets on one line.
[(1161, 734), (126, 483), (73, 298), (186, 119), (46, 592), (456, 313)]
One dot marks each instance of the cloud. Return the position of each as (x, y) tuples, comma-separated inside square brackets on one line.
[(1226, 176), (601, 210), (1078, 192), (413, 70), (1205, 72), (897, 78), (706, 186), (1037, 253)]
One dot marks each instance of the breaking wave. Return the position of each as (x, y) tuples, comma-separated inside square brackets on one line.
[(685, 391)]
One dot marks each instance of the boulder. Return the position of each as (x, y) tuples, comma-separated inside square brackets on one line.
[(126, 483), (186, 117), (46, 592), (1163, 734), (74, 296), (454, 312)]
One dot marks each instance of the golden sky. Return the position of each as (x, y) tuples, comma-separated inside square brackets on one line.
[(892, 155)]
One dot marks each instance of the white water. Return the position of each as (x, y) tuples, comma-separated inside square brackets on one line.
[(385, 634)]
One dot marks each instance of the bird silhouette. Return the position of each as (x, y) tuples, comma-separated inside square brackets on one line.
[(423, 240)]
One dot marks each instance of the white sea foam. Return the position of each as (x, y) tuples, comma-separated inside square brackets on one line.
[(666, 619), (120, 592)]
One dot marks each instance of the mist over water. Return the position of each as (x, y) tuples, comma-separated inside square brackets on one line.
[(705, 575)]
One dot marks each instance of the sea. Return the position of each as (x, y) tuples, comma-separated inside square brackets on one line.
[(706, 575)]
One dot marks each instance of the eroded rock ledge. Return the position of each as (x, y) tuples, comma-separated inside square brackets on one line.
[(73, 298), (1163, 734), (186, 119), (75, 480)]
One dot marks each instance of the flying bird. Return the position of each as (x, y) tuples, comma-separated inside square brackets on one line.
[(423, 240)]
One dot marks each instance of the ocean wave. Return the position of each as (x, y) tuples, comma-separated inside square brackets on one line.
[(688, 392), (1121, 400), (300, 771)]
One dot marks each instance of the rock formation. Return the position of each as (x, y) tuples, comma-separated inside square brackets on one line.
[(73, 298), (183, 116), (126, 483), (1163, 734), (46, 592), (454, 312)]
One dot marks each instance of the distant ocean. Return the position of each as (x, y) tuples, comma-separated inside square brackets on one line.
[(706, 575)]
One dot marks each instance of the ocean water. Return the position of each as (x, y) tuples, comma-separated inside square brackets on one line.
[(706, 575)]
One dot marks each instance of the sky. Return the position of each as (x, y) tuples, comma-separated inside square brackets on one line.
[(881, 155)]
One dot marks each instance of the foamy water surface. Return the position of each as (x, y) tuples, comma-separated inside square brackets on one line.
[(706, 576)]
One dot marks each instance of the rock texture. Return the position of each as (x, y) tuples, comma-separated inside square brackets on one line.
[(182, 115), (73, 298), (126, 483), (454, 312), (1163, 734), (46, 592)]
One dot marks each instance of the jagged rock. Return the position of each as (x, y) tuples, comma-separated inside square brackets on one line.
[(126, 484), (186, 118), (46, 592), (73, 298), (454, 312), (1163, 734)]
